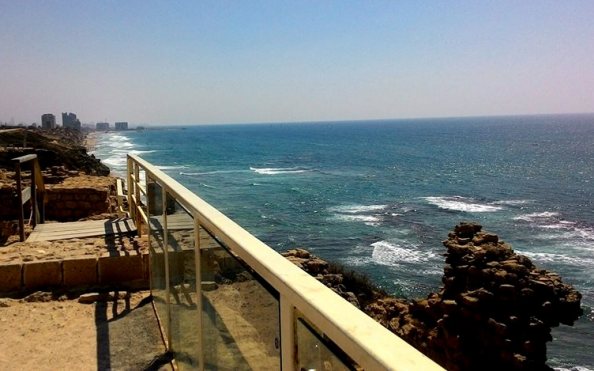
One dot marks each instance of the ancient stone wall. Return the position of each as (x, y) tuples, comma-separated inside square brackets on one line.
[(494, 312), (64, 204)]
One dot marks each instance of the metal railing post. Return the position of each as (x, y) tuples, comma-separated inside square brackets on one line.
[(20, 200), (131, 187), (33, 199), (137, 196), (198, 270), (41, 190), (166, 254)]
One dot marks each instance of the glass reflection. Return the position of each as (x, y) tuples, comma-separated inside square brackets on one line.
[(313, 352), (240, 316), (182, 286)]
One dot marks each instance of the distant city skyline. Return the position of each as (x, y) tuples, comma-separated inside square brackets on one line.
[(275, 61)]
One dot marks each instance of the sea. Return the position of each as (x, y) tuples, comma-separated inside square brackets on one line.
[(380, 196)]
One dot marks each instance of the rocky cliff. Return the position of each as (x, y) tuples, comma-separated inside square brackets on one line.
[(495, 310), (59, 147)]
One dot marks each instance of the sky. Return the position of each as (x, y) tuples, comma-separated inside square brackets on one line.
[(208, 62)]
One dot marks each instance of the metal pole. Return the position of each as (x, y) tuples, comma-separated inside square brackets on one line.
[(20, 200), (197, 262), (131, 185), (166, 260), (33, 199), (138, 218)]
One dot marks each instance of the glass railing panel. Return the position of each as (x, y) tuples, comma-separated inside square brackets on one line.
[(316, 353), (185, 333), (156, 251), (240, 314)]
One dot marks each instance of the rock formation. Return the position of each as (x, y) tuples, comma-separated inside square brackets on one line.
[(76, 183), (55, 148), (495, 310)]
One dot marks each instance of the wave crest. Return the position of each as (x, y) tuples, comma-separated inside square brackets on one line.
[(537, 216), (392, 253), (355, 209), (367, 214), (278, 170), (458, 203)]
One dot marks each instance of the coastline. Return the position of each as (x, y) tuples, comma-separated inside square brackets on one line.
[(90, 141)]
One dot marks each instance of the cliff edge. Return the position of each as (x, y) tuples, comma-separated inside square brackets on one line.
[(58, 147), (495, 310)]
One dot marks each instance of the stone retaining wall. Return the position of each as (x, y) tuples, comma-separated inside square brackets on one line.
[(124, 270), (65, 204)]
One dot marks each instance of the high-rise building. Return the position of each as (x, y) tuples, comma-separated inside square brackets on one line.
[(48, 121), (121, 126), (69, 121), (102, 126)]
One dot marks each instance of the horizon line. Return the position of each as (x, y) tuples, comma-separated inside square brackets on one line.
[(362, 120)]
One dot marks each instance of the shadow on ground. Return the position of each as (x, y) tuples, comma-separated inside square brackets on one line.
[(128, 336)]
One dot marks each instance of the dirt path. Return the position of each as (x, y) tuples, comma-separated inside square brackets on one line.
[(42, 332)]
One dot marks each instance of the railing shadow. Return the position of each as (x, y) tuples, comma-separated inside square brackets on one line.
[(127, 337), (115, 235)]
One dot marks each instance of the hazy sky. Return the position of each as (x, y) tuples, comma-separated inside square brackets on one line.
[(269, 61)]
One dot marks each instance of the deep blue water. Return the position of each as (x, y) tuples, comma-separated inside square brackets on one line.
[(380, 196)]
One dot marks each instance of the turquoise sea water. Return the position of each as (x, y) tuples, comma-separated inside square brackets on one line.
[(380, 196)]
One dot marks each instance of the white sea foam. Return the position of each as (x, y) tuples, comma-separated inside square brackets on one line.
[(512, 202), (536, 216), (563, 224), (278, 170), (458, 203), (171, 167), (392, 253), (132, 151), (116, 161), (367, 219), (120, 144), (355, 209), (544, 257), (197, 173), (118, 138), (568, 232), (367, 214), (574, 368)]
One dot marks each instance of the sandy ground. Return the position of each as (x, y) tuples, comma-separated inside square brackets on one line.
[(42, 332), (77, 247)]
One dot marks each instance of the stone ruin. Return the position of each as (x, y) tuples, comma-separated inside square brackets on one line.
[(495, 310)]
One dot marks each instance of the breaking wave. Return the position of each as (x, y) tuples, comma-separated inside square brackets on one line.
[(367, 214), (392, 253), (458, 203), (355, 209), (278, 170)]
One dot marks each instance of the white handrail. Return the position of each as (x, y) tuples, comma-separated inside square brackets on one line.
[(364, 340)]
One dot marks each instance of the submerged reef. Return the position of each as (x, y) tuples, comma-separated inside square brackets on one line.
[(495, 310)]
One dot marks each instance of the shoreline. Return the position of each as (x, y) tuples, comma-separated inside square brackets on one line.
[(90, 141)]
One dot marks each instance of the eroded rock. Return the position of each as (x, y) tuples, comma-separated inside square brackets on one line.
[(495, 310)]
